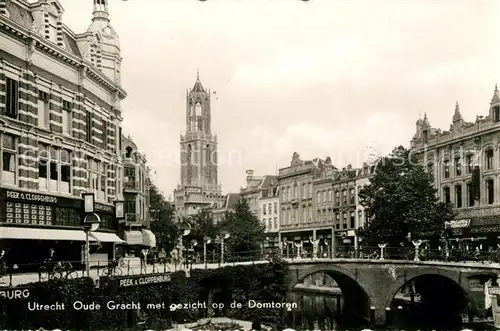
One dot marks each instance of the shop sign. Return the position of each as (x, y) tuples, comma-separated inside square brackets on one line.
[(193, 190), (486, 229), (31, 197), (144, 280), (463, 223), (103, 208)]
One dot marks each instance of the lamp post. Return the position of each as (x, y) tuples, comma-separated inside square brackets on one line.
[(285, 247), (184, 230), (382, 246), (298, 245), (119, 215), (223, 235), (194, 243), (315, 243), (91, 222), (206, 240), (417, 244), (327, 247)]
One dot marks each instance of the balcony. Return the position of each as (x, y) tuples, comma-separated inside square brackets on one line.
[(132, 219), (131, 185)]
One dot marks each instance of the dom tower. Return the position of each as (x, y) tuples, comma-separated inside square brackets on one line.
[(198, 187)]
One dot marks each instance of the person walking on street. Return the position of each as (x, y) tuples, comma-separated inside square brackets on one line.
[(144, 256)]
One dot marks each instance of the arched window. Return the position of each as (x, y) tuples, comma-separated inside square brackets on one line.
[(208, 156), (128, 153)]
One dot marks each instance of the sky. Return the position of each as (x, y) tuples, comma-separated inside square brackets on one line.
[(345, 79)]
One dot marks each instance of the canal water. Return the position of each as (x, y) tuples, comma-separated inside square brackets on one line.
[(326, 312)]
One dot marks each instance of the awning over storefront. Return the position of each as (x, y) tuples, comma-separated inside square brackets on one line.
[(41, 234), (107, 237), (485, 225), (148, 238), (133, 238)]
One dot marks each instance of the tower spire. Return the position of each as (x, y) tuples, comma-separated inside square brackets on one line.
[(198, 74)]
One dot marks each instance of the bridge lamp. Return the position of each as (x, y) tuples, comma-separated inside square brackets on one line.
[(184, 230), (417, 244), (382, 246), (223, 236), (206, 240)]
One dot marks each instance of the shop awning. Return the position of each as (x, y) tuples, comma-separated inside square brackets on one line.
[(107, 237), (41, 234), (133, 238), (148, 238)]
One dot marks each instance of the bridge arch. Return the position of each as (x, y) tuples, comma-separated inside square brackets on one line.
[(357, 297)]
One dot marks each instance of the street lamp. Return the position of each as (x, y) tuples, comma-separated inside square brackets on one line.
[(194, 243), (184, 230), (382, 246), (206, 240), (119, 215), (299, 246), (327, 247), (91, 223), (417, 244), (315, 243), (223, 235)]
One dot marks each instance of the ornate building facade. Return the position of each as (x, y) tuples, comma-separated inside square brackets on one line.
[(199, 186), (135, 226), (465, 163), (60, 117)]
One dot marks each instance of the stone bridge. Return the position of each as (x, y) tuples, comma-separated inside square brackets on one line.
[(369, 286)]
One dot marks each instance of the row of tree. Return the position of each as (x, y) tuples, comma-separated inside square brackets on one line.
[(246, 231), (400, 200)]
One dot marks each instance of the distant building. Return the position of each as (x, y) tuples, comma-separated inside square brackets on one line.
[(296, 192), (256, 187), (199, 187), (269, 207), (220, 208), (135, 226), (465, 164)]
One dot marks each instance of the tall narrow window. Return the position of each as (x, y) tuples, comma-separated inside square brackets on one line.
[(67, 118), (337, 221), (310, 191), (337, 198), (352, 196), (9, 159), (88, 136), (353, 220), (318, 197), (489, 159), (490, 191), (425, 136), (446, 195), (344, 197), (469, 159), (330, 195), (458, 196), (43, 110), (43, 167), (120, 139), (102, 185), (458, 166), (54, 169), (11, 98), (430, 170), (104, 135), (65, 171), (496, 113), (208, 157), (470, 195), (446, 169)]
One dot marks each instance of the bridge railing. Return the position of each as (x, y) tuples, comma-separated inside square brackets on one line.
[(45, 271)]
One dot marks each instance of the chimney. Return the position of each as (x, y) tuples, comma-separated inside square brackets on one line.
[(249, 173)]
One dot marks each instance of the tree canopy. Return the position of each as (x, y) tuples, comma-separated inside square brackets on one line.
[(162, 220), (399, 200), (201, 225), (246, 230)]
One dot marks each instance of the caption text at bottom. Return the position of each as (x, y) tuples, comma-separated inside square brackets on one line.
[(113, 305)]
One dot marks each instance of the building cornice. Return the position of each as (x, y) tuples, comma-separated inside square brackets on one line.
[(34, 40)]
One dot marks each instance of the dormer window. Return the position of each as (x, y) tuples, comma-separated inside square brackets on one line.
[(496, 113), (425, 136), (128, 153)]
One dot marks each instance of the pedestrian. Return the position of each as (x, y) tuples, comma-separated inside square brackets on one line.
[(143, 257)]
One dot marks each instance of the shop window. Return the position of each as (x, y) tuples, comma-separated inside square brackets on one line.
[(489, 159), (470, 195), (490, 191), (458, 196), (9, 159), (446, 195)]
